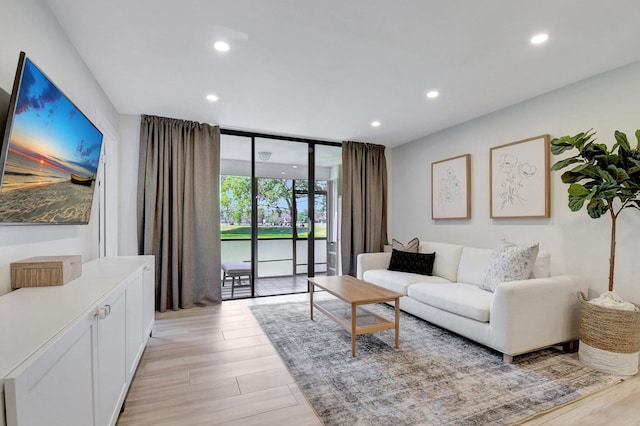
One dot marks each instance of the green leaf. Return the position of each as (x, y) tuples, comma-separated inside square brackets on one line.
[(565, 143), (572, 177), (607, 159), (621, 141), (564, 163), (559, 149), (633, 165), (583, 138), (628, 190), (618, 173), (578, 190), (562, 144), (578, 194), (600, 149), (608, 193), (633, 161), (588, 171), (597, 207), (638, 139), (576, 203)]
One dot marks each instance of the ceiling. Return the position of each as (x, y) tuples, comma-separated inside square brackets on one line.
[(327, 69), (278, 151)]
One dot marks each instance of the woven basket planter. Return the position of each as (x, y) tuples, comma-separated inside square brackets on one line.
[(609, 338)]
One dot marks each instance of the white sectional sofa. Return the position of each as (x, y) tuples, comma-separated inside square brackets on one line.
[(519, 317)]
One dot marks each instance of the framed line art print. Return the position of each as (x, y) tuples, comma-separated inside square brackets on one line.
[(519, 179), (451, 188)]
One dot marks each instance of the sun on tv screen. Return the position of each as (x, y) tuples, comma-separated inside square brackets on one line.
[(50, 154)]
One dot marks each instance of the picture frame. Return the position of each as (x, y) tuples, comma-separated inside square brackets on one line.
[(519, 179), (451, 188)]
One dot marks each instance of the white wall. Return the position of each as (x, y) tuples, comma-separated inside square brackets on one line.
[(577, 243), (29, 26), (128, 156)]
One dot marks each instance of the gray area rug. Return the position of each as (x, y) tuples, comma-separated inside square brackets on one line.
[(435, 378)]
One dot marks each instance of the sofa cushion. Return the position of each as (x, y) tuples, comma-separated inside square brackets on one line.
[(466, 300), (447, 258), (542, 267), (412, 246), (509, 262), (416, 263), (473, 261), (398, 281)]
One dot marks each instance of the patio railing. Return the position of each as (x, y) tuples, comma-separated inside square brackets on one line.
[(276, 256)]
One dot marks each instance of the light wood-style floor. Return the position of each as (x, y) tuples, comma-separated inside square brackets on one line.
[(208, 366)]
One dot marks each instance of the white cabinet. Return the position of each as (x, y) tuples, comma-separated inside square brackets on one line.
[(56, 386), (76, 346)]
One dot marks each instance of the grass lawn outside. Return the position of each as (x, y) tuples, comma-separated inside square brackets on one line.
[(243, 232)]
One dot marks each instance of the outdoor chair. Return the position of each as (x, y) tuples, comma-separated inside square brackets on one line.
[(236, 269)]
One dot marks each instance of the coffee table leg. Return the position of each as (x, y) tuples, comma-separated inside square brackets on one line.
[(397, 322), (353, 329), (310, 284)]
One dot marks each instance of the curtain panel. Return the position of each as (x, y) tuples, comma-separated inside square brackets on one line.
[(179, 209), (364, 202)]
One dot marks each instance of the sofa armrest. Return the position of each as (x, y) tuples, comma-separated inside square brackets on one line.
[(368, 261), (535, 313)]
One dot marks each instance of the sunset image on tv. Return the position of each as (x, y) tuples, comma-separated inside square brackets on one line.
[(52, 157)]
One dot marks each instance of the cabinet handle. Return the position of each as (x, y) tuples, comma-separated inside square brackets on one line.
[(103, 312), (147, 267)]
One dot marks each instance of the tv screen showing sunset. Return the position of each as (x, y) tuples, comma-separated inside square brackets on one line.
[(52, 156)]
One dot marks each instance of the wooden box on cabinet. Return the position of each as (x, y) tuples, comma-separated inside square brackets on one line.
[(45, 271)]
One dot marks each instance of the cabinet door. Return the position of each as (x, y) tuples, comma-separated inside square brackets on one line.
[(55, 386), (111, 348), (149, 283), (135, 326)]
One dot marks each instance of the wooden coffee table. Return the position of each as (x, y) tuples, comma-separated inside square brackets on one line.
[(357, 292)]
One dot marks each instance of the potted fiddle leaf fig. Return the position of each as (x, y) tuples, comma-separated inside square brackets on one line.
[(606, 181)]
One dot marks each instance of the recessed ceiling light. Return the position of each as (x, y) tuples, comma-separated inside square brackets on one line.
[(212, 98), (221, 46), (432, 94), (375, 124), (295, 167), (539, 38), (282, 173)]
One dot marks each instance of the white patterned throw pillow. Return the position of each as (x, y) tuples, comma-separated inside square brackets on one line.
[(509, 262)]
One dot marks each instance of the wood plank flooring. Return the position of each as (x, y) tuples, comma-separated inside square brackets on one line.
[(209, 366)]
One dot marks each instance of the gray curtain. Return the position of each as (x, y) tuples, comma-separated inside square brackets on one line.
[(364, 202), (179, 209)]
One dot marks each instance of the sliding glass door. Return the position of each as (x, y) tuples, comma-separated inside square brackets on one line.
[(281, 167), (271, 218), (328, 202), (236, 212)]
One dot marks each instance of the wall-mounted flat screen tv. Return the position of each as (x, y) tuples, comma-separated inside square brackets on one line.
[(50, 154)]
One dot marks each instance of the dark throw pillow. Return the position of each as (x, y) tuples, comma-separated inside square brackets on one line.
[(416, 263)]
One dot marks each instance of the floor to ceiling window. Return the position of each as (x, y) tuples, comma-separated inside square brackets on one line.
[(266, 221)]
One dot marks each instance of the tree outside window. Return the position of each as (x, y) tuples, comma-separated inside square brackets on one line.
[(275, 208)]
